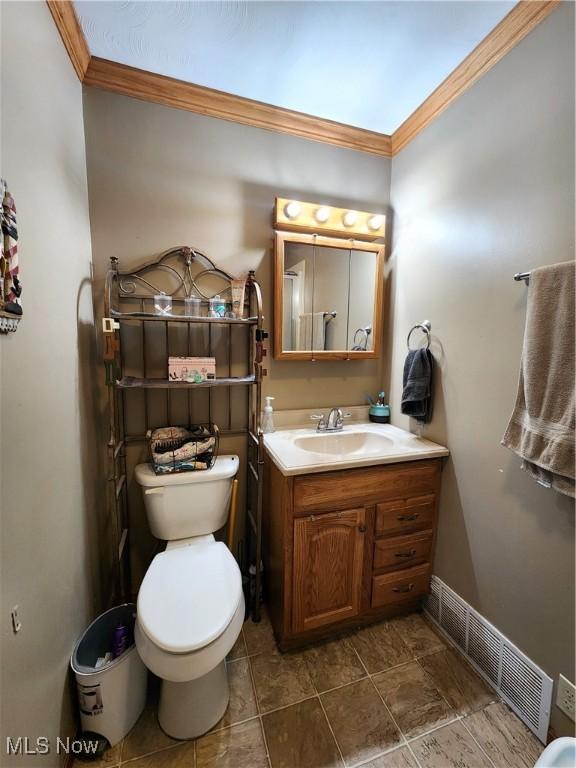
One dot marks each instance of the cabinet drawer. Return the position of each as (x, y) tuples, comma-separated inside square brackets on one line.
[(403, 515), (402, 551), (396, 587), (363, 487)]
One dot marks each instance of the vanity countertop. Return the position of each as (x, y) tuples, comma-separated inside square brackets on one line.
[(306, 451)]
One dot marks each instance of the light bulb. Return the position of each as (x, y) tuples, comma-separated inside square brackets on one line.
[(292, 210), (375, 222), (322, 214), (349, 218)]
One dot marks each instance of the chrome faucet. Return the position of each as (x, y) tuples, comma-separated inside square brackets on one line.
[(334, 422)]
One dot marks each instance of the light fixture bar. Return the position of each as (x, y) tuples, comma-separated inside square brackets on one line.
[(299, 216)]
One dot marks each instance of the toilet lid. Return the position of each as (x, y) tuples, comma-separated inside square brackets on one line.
[(189, 596)]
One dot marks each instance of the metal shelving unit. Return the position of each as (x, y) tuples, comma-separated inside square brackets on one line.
[(137, 343)]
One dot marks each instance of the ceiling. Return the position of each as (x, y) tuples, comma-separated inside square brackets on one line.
[(366, 64)]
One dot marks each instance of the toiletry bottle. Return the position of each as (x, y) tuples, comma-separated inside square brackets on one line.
[(267, 418)]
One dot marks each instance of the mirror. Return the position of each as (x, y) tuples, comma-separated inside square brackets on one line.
[(328, 297)]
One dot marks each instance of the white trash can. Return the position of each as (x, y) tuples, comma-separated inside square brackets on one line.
[(112, 696)]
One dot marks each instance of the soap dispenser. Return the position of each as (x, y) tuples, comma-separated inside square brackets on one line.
[(267, 418)]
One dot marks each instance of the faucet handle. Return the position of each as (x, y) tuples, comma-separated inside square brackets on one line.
[(321, 419), (340, 416)]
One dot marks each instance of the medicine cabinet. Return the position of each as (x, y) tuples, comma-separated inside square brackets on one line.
[(328, 296)]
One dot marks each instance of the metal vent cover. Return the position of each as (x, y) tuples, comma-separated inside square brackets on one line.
[(453, 618), (523, 686), (484, 647)]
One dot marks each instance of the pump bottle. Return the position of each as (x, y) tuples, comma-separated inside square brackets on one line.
[(267, 417)]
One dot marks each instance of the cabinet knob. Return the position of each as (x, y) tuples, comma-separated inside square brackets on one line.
[(362, 528)]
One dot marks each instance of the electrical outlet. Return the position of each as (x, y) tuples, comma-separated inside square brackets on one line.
[(566, 697)]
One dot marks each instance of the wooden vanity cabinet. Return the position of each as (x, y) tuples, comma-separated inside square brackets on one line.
[(348, 547)]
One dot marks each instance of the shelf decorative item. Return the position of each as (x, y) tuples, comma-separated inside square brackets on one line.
[(10, 285), (194, 370)]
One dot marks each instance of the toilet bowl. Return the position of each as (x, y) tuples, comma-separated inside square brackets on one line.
[(190, 605)]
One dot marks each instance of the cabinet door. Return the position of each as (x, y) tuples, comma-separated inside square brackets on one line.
[(327, 568)]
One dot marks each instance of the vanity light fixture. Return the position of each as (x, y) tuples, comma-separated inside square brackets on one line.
[(350, 218), (322, 219), (292, 209), (375, 222)]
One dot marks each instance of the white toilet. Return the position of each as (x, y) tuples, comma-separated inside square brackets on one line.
[(190, 605)]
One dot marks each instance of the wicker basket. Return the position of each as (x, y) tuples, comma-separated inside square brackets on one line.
[(183, 449)]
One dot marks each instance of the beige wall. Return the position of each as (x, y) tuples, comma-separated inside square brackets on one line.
[(49, 555), (160, 177), (486, 191)]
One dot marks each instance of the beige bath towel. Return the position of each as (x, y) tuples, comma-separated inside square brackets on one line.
[(541, 428)]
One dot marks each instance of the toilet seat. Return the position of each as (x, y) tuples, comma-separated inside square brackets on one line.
[(184, 667), (189, 596)]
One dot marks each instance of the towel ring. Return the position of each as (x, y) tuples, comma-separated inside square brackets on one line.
[(425, 326)]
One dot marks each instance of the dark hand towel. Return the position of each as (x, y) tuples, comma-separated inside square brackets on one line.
[(417, 393)]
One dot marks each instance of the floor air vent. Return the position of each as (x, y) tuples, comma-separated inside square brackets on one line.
[(522, 684)]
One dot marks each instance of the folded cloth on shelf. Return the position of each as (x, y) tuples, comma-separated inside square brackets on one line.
[(541, 428), (417, 381)]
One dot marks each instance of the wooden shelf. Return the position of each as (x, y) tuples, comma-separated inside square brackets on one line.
[(131, 382), (152, 316)]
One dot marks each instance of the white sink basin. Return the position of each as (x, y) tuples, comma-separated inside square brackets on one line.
[(338, 443), (303, 451)]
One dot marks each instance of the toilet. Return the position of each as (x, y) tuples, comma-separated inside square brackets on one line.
[(190, 606)]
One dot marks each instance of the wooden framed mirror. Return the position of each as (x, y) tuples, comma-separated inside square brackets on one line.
[(328, 297)]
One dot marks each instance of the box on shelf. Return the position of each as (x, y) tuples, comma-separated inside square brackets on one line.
[(192, 369)]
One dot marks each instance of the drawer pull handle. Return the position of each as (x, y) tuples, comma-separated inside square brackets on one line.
[(413, 516), (362, 528), (411, 553), (407, 588)]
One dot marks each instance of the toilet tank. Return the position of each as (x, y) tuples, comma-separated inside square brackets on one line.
[(187, 504)]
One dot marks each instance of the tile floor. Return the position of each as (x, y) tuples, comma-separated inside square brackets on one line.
[(393, 695)]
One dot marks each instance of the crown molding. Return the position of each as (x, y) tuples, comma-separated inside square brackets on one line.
[(159, 89), (71, 33), (522, 19)]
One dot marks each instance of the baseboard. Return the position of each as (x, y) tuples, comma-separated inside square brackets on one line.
[(525, 687)]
